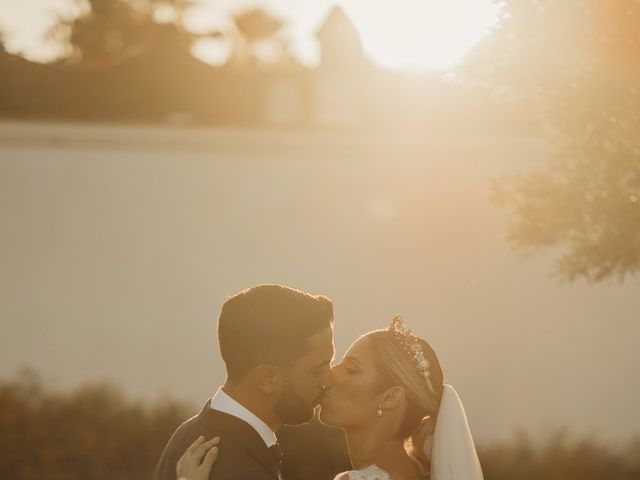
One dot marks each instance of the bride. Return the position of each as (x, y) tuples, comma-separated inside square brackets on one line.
[(401, 420)]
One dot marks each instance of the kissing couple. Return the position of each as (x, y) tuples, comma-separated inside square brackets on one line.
[(401, 420)]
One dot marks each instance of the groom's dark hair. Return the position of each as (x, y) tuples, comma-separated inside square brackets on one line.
[(269, 324)]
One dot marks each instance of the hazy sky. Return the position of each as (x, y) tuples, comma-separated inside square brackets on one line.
[(118, 251), (414, 34)]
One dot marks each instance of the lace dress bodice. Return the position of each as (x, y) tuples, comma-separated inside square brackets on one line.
[(372, 472)]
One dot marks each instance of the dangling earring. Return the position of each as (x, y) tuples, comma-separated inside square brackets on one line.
[(379, 411)]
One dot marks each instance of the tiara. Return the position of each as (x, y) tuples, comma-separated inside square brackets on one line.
[(411, 345)]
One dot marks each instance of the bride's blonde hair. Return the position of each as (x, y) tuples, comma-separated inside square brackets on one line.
[(396, 366)]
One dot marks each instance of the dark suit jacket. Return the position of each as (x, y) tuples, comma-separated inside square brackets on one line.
[(243, 454)]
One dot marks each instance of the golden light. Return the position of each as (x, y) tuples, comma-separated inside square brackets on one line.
[(420, 34)]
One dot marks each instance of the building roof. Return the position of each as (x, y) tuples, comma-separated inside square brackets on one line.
[(338, 25)]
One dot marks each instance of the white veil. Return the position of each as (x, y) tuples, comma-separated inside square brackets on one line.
[(453, 453)]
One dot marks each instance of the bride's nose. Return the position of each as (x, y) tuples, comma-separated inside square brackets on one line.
[(329, 379), (337, 371)]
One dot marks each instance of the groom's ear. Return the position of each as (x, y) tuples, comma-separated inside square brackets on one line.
[(393, 397), (268, 378)]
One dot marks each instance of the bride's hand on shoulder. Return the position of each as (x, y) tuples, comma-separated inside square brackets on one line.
[(198, 459)]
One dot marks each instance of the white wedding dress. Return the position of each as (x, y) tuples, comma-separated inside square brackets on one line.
[(372, 472)]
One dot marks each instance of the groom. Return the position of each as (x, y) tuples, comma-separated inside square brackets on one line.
[(277, 346)]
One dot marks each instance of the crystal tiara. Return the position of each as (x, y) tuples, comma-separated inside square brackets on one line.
[(411, 345)]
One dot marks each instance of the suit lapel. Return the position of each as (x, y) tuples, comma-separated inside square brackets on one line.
[(242, 432), (265, 460)]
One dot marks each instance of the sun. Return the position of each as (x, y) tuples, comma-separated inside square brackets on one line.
[(420, 34)]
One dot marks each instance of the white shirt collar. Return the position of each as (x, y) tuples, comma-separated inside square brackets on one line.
[(224, 403)]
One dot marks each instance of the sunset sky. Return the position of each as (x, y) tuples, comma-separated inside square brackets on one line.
[(410, 34)]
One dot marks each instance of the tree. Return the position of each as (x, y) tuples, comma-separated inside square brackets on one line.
[(111, 31), (575, 65), (257, 28)]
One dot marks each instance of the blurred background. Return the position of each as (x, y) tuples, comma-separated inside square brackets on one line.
[(473, 165)]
